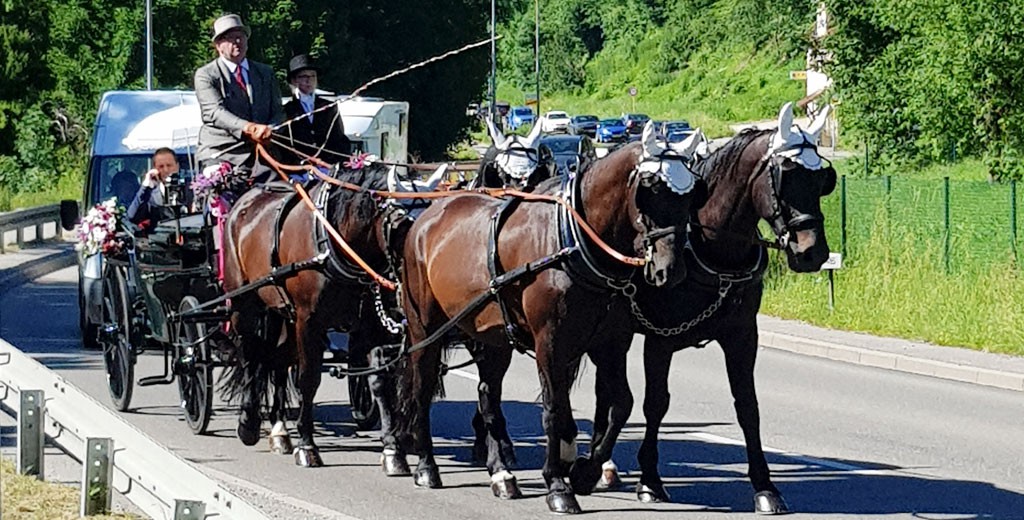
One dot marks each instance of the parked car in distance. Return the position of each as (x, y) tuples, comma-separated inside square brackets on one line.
[(635, 122), (583, 125), (609, 130), (519, 116), (555, 121), (674, 127), (572, 153)]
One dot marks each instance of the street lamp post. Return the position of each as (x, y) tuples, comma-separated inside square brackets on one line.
[(149, 45), (536, 50), (494, 67)]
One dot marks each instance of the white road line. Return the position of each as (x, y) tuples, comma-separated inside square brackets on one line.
[(467, 375), (717, 439)]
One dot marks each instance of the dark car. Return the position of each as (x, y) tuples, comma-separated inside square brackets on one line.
[(583, 125), (635, 122), (671, 128), (570, 152), (609, 130)]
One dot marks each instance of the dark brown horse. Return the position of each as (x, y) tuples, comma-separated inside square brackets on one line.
[(774, 175), (567, 304), (285, 325)]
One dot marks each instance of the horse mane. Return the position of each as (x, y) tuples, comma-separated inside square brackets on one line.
[(372, 177), (725, 160)]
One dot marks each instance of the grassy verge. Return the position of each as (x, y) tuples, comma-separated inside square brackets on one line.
[(25, 498), (67, 187)]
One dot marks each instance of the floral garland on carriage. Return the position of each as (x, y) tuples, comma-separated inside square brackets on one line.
[(102, 230)]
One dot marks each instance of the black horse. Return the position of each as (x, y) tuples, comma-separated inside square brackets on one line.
[(775, 175), (513, 161)]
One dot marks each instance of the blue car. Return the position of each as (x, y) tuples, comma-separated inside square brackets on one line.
[(519, 116), (609, 130)]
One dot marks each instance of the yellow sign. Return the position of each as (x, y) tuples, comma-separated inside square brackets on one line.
[(531, 102), (798, 74)]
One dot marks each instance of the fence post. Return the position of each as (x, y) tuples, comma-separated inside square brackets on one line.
[(1013, 221), (842, 214), (97, 472), (949, 232), (30, 433), (189, 510), (867, 150)]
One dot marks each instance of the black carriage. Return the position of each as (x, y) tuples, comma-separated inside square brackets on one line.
[(162, 294)]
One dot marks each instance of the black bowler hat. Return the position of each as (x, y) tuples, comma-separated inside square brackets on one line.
[(300, 63)]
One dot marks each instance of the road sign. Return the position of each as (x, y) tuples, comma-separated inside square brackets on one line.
[(632, 91), (835, 261), (798, 74)]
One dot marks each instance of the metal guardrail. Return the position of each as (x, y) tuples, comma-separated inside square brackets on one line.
[(25, 218), (153, 478)]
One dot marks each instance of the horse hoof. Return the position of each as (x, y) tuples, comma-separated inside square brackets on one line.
[(770, 503), (280, 444), (505, 486), (249, 437), (394, 465), (428, 477), (563, 502), (609, 477), (652, 495), (583, 475), (308, 457)]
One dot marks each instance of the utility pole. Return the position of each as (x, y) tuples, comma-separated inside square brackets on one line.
[(494, 68), (149, 45), (536, 50)]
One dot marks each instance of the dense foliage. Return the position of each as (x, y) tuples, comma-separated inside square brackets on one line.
[(58, 56), (923, 80)]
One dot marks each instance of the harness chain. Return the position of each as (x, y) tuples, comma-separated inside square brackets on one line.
[(723, 289), (394, 327)]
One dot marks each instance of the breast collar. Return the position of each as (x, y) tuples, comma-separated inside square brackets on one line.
[(701, 273), (338, 266), (582, 264)]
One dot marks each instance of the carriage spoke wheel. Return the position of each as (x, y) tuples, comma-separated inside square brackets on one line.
[(194, 370), (116, 336), (364, 407)]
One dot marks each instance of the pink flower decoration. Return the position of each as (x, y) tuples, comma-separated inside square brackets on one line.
[(357, 162)]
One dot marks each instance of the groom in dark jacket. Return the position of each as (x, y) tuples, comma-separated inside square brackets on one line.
[(313, 133), (239, 99)]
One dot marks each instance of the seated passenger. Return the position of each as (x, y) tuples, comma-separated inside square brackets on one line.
[(123, 186), (150, 204)]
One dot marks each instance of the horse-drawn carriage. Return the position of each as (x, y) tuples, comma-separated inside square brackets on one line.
[(161, 293)]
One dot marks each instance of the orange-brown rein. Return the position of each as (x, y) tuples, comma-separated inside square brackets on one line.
[(280, 168)]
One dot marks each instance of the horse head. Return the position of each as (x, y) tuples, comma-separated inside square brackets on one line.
[(661, 194), (517, 160), (795, 179)]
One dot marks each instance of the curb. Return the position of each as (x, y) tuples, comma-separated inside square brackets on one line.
[(28, 271), (896, 362)]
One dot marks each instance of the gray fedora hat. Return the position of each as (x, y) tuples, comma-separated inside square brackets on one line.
[(226, 23)]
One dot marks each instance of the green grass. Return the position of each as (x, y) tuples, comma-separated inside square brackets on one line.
[(67, 187)]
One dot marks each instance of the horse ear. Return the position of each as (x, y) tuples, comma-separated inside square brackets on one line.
[(786, 121), (436, 177), (690, 144), (650, 140), (496, 137), (534, 135), (819, 123)]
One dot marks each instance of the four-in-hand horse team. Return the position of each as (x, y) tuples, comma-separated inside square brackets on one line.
[(653, 239)]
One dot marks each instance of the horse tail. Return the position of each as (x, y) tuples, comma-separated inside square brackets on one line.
[(250, 376)]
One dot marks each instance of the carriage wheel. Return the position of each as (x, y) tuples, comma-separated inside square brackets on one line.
[(363, 406), (116, 338), (194, 369)]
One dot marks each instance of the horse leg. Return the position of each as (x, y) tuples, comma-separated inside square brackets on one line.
[(657, 360), (280, 441), (559, 428), (492, 368), (615, 402), (490, 403), (311, 340), (740, 355), (426, 373)]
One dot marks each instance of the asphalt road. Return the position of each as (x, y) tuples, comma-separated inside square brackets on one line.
[(846, 441)]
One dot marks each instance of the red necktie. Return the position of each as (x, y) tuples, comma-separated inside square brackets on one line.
[(240, 79)]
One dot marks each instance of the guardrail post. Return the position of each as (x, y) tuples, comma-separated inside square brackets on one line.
[(21, 237), (97, 472), (39, 231), (30, 433), (189, 510)]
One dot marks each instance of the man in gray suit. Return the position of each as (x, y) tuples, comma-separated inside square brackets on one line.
[(239, 99)]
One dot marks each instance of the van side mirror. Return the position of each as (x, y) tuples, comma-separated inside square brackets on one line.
[(68, 214)]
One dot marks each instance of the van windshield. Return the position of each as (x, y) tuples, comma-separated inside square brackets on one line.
[(120, 176)]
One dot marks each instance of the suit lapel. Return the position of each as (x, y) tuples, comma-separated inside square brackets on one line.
[(228, 78)]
